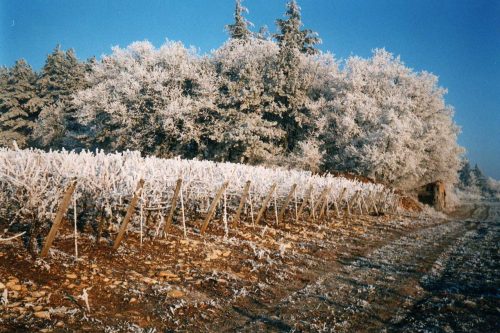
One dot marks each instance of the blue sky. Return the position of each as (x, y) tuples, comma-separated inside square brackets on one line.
[(457, 40)]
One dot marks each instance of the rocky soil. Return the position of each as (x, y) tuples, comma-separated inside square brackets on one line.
[(409, 273)]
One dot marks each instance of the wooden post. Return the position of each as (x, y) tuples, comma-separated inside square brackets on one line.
[(358, 201), (63, 207), (128, 216), (363, 203), (100, 225), (264, 204), (349, 202), (285, 204), (374, 205), (320, 200), (304, 201), (243, 200), (336, 209), (324, 205), (170, 217), (341, 197), (212, 208)]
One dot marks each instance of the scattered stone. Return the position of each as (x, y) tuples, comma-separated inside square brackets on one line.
[(470, 304), (133, 300), (167, 275), (149, 280), (13, 294), (60, 324), (38, 308), (175, 294), (11, 283), (38, 294), (226, 254), (20, 309), (15, 287), (13, 305), (2, 286), (42, 314), (71, 276)]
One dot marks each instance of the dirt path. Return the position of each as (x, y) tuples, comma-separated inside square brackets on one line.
[(441, 278)]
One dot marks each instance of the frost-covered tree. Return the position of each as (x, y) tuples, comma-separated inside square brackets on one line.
[(391, 124), (61, 77), (239, 29), (321, 76), (19, 104), (245, 69), (291, 84), (158, 101), (292, 35), (474, 183)]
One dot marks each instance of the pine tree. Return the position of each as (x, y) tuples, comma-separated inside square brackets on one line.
[(61, 77), (291, 36), (465, 174), (19, 105), (239, 29), (481, 179), (291, 84)]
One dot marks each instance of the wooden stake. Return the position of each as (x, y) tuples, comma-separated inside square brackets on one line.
[(336, 209), (100, 225), (212, 208), (265, 203), (324, 205), (183, 214), (304, 202), (76, 231), (363, 203), (320, 200), (172, 207), (374, 205), (341, 197), (63, 207), (285, 204), (128, 216), (296, 207), (251, 208), (243, 200), (275, 208), (354, 197)]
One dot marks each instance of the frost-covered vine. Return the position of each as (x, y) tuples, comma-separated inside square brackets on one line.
[(33, 181)]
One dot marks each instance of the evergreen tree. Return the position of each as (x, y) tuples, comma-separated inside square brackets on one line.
[(481, 179), (291, 36), (291, 84), (19, 104), (465, 175), (61, 77), (239, 29)]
